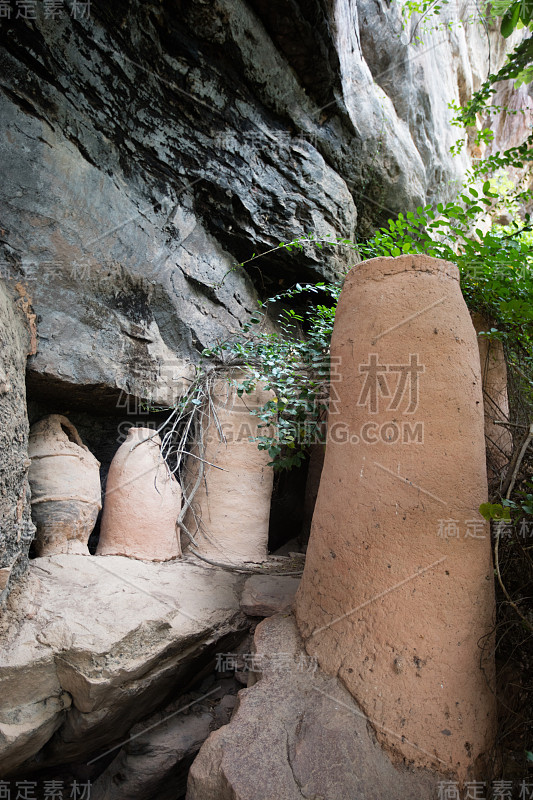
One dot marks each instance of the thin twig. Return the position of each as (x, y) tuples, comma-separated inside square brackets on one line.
[(510, 424), (516, 461), (192, 455), (513, 472), (521, 455)]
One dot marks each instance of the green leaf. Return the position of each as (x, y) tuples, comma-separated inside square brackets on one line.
[(510, 20), (494, 511), (485, 510)]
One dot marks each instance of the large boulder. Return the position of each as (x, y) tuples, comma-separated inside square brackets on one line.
[(297, 733), (265, 595), (93, 644)]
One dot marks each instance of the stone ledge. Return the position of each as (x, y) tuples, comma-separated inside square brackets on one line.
[(110, 634)]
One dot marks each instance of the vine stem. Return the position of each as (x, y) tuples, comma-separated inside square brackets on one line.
[(240, 567)]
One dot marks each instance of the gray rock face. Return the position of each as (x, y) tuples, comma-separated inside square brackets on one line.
[(94, 644), (155, 760), (147, 767), (16, 528), (265, 595), (149, 149), (298, 734)]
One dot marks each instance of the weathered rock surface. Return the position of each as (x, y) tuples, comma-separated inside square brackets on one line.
[(154, 762), (296, 734), (510, 128), (265, 595), (16, 528), (96, 643), (147, 151), (150, 765)]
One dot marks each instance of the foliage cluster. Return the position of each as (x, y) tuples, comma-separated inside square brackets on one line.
[(292, 359)]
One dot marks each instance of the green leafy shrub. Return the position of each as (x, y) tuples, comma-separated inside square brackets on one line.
[(293, 361)]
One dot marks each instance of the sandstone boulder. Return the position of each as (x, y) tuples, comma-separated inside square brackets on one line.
[(154, 761), (265, 595), (111, 638), (297, 734)]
